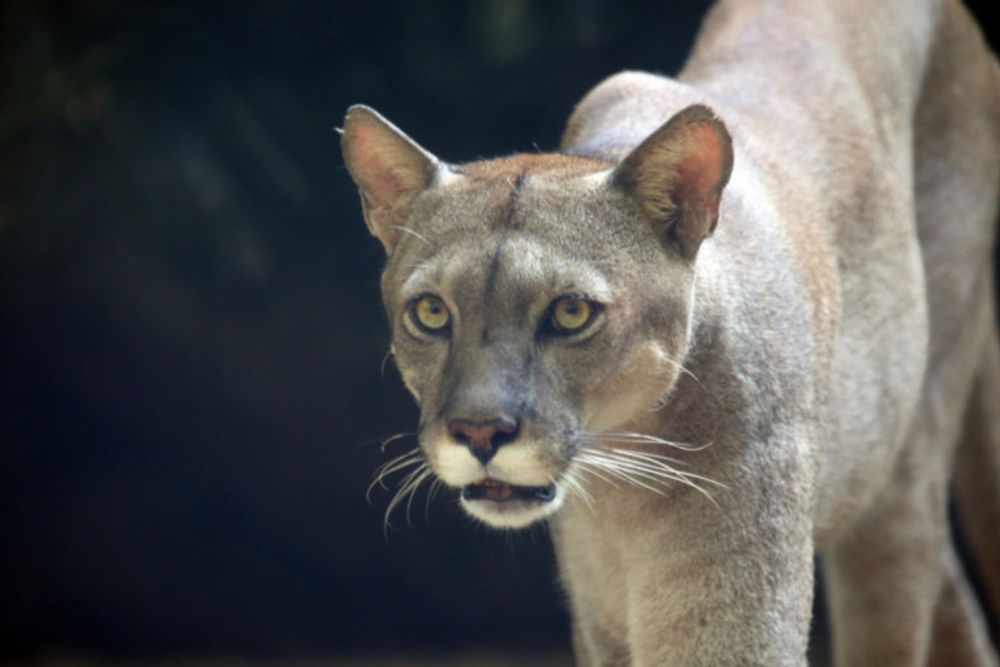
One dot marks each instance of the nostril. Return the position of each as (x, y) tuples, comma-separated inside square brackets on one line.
[(505, 433), (457, 433)]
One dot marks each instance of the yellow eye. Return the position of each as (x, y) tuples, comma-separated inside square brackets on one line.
[(570, 314), (430, 313)]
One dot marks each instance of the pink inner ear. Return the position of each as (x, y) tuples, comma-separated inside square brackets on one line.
[(699, 170), (373, 163)]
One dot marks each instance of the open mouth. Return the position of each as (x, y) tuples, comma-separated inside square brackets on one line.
[(501, 492)]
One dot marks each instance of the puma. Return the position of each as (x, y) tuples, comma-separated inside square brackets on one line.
[(742, 317)]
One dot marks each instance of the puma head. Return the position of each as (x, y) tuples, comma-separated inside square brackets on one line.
[(536, 300)]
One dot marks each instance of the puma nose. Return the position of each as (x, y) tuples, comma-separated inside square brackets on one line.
[(484, 438)]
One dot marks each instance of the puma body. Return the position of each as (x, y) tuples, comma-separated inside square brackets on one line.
[(794, 289)]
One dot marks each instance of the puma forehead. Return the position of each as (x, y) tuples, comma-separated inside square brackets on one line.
[(675, 177)]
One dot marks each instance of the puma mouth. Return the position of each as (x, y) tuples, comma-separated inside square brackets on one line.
[(501, 492), (504, 505)]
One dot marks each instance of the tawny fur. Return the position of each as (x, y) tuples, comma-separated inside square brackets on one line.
[(830, 351)]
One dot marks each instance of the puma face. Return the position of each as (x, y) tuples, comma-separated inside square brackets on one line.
[(537, 301), (519, 345)]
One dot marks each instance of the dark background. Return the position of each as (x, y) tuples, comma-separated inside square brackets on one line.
[(190, 328)]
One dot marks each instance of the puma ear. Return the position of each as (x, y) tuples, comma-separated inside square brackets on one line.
[(389, 168), (677, 174)]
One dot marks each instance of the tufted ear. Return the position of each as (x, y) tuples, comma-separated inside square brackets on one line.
[(677, 174), (389, 168)]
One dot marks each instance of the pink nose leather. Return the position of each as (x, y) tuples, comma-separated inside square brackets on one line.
[(483, 438)]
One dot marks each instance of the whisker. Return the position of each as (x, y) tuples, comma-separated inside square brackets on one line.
[(576, 487), (657, 478), (586, 467), (432, 492), (610, 465), (404, 460), (623, 436), (393, 438), (641, 437), (663, 472), (660, 403), (399, 462), (649, 469), (403, 484), (406, 490), (652, 478), (412, 233), (656, 459), (413, 266), (582, 490), (413, 492), (605, 447), (634, 459), (679, 366), (612, 469), (385, 360), (675, 475)]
